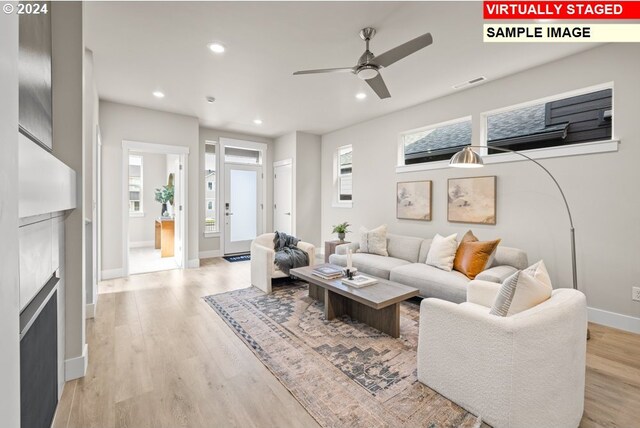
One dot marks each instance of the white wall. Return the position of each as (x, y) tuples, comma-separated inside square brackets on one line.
[(120, 122), (211, 245), (305, 152), (154, 175), (68, 134), (9, 313), (601, 188)]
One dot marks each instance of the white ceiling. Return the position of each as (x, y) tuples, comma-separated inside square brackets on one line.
[(146, 46)]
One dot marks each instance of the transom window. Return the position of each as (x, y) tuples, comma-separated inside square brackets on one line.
[(135, 185), (435, 142), (567, 120)]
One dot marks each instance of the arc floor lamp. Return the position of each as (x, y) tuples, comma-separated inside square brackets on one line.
[(467, 158)]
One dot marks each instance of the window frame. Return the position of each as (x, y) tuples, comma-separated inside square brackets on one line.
[(216, 231), (139, 212), (602, 146), (337, 202)]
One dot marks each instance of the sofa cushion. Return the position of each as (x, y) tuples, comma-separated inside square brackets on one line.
[(374, 241), (404, 247), (424, 250), (510, 257), (442, 252), (432, 282), (372, 264), (523, 290)]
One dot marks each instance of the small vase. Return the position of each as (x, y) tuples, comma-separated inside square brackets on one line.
[(164, 210), (341, 237)]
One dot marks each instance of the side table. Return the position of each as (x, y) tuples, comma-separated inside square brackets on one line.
[(330, 248)]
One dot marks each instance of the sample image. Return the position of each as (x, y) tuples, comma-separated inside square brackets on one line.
[(472, 200), (413, 200)]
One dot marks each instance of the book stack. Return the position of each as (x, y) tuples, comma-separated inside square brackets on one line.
[(327, 271), (359, 281)]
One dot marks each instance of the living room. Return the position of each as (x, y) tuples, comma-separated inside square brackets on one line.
[(219, 189)]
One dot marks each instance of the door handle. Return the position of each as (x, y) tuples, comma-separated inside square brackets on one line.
[(228, 213), (287, 213)]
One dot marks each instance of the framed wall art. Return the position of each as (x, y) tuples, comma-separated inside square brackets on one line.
[(472, 200), (413, 200)]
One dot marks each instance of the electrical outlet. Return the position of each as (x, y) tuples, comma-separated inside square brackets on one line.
[(635, 294)]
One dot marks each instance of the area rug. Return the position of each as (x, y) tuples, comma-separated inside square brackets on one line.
[(345, 373), (238, 258)]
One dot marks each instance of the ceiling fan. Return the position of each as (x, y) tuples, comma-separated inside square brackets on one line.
[(369, 65)]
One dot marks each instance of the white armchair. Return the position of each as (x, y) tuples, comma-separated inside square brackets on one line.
[(525, 370), (263, 269)]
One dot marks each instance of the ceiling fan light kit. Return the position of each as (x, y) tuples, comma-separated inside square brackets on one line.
[(368, 65)]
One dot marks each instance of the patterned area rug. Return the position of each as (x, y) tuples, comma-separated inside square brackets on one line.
[(345, 373)]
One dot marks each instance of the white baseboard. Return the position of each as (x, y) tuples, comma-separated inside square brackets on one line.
[(612, 319), (210, 254), (75, 368), (111, 274), (140, 244), (192, 264), (90, 311)]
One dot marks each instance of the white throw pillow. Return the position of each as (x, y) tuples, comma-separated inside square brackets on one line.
[(523, 290), (374, 241), (442, 252)]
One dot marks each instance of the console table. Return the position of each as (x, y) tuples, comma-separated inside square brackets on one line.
[(164, 236)]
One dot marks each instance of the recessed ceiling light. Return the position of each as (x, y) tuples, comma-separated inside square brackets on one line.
[(210, 100), (361, 95), (257, 121), (158, 94), (216, 48)]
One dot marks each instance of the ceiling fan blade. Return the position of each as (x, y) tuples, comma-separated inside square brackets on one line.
[(404, 50), (325, 70), (379, 87)]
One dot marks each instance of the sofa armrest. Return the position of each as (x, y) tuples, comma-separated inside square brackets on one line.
[(465, 353), (310, 249), (497, 273), (262, 259), (482, 292), (342, 248)]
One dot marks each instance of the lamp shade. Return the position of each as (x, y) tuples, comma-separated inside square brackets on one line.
[(466, 158)]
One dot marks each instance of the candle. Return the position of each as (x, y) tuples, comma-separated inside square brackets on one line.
[(349, 259)]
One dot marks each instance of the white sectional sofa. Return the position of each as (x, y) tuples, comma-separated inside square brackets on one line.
[(406, 265)]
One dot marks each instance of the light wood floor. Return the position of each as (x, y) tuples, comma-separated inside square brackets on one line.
[(160, 357)]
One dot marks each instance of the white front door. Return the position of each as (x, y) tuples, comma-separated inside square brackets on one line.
[(282, 198), (242, 207)]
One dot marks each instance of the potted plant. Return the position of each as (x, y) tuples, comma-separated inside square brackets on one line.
[(341, 229), (164, 195)]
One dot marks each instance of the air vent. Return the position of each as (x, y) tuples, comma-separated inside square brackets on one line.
[(469, 82)]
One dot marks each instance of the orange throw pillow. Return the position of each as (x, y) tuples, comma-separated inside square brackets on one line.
[(472, 255)]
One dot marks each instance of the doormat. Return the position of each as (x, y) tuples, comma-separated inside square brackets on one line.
[(238, 258)]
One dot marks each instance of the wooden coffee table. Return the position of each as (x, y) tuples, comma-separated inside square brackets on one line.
[(377, 305)]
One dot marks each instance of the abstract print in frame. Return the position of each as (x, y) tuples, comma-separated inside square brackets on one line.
[(413, 200), (472, 200)]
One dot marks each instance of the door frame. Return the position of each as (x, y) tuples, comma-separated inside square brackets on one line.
[(242, 144), (293, 192), (166, 149)]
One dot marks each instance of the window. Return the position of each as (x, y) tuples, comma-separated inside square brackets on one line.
[(344, 175), (238, 155), (566, 120), (135, 185), (210, 216), (436, 142)]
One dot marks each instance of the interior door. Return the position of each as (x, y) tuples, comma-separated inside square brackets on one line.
[(242, 207), (178, 209), (283, 198)]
